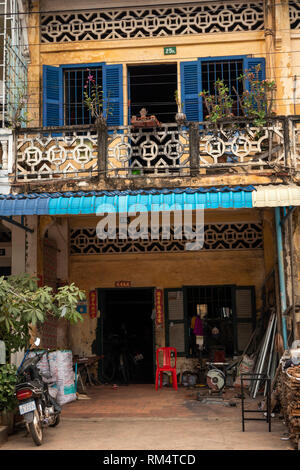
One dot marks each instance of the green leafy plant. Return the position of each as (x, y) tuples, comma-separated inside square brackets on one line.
[(17, 114), (218, 105), (8, 379), (257, 102), (23, 304)]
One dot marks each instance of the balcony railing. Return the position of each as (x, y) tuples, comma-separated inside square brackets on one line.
[(170, 150)]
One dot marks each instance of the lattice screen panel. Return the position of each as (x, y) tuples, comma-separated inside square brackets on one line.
[(242, 236), (294, 14), (128, 23)]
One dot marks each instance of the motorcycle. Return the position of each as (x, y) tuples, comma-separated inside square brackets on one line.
[(38, 408)]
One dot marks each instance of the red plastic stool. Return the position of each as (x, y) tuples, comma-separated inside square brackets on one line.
[(166, 367)]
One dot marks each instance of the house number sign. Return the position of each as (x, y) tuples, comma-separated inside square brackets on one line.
[(171, 50)]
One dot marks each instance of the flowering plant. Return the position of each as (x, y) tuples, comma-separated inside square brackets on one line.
[(94, 99)]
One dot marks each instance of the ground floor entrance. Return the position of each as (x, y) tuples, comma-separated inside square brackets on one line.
[(126, 335)]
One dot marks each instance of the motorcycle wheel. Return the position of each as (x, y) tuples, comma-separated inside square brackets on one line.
[(56, 422), (36, 429)]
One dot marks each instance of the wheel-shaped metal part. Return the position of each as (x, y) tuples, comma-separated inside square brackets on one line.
[(36, 429)]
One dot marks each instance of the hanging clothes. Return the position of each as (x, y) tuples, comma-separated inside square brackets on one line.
[(198, 329)]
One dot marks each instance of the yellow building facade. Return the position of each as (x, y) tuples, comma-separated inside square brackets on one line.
[(153, 50)]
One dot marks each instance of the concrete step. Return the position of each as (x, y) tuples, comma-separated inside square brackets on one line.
[(3, 434)]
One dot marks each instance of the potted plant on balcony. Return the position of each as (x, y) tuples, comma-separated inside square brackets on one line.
[(257, 100), (94, 100), (17, 115), (218, 105), (180, 116), (219, 108)]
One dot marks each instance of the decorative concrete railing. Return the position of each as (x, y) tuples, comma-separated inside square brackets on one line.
[(69, 152), (83, 152), (160, 152)]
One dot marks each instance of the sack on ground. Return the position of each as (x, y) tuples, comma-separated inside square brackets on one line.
[(245, 367)]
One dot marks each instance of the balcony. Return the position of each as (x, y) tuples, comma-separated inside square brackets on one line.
[(80, 153)]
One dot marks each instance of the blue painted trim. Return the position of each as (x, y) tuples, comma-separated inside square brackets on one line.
[(58, 101), (194, 94), (117, 100), (146, 203), (74, 66), (281, 274), (123, 202), (211, 189)]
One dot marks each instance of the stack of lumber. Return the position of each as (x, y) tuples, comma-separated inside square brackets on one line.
[(289, 394)]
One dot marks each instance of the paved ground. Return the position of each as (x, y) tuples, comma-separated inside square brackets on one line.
[(138, 417)]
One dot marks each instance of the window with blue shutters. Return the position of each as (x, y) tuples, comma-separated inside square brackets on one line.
[(63, 92), (201, 75), (52, 96)]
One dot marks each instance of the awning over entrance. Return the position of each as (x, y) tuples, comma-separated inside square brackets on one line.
[(76, 203), (276, 196)]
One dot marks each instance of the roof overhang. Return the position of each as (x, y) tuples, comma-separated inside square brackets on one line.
[(276, 196), (76, 203)]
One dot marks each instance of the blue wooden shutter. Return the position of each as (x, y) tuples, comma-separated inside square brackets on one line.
[(250, 64), (190, 89), (52, 96), (113, 93)]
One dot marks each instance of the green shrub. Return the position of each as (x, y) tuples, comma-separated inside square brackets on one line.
[(8, 379)]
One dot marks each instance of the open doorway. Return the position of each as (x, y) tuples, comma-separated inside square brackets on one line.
[(153, 87), (126, 337), (5, 251)]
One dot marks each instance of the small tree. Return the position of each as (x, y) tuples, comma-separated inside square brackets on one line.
[(23, 303)]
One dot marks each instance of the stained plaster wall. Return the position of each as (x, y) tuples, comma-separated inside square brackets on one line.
[(133, 51), (171, 270)]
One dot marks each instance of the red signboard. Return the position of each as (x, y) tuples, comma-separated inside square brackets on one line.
[(159, 306), (93, 304)]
